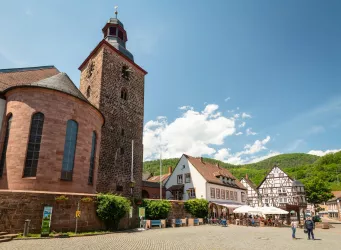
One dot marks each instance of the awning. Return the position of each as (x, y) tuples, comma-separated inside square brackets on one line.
[(228, 204), (332, 211), (176, 187)]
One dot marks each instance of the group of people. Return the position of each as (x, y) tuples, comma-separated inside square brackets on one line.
[(309, 227)]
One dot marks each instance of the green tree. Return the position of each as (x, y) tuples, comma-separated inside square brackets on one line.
[(197, 207), (111, 209), (317, 191), (157, 209)]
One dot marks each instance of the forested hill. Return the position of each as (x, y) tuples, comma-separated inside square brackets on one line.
[(299, 166)]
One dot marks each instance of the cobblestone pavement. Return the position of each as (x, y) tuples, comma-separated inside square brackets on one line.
[(196, 238)]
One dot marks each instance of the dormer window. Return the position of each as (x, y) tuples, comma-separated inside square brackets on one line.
[(112, 31)]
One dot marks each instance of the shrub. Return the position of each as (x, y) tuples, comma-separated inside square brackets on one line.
[(197, 207), (157, 209), (61, 198), (111, 209), (86, 199)]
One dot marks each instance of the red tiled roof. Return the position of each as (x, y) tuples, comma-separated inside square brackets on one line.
[(13, 77), (157, 178), (251, 184), (210, 172), (337, 194)]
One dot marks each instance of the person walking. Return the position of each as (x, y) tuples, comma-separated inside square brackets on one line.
[(309, 225), (293, 228)]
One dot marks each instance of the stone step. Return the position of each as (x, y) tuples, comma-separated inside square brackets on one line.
[(8, 236), (5, 240), (2, 233)]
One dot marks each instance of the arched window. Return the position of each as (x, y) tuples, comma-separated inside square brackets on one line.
[(92, 158), (69, 150), (124, 94), (88, 92), (33, 147), (4, 149)]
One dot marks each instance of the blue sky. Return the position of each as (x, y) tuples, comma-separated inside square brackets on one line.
[(278, 62)]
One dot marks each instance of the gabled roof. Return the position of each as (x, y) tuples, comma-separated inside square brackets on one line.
[(250, 183), (275, 166), (210, 172), (156, 178), (19, 76)]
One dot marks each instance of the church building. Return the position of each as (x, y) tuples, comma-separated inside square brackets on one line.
[(56, 137)]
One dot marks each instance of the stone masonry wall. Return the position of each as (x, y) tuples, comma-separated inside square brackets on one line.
[(123, 121)]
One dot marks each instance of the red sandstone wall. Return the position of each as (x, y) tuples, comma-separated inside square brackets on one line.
[(154, 193), (58, 108)]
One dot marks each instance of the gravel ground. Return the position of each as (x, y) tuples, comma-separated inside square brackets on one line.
[(196, 238)]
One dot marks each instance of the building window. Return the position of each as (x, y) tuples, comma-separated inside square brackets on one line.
[(122, 132), (124, 94), (191, 193), (92, 158), (120, 34), (281, 175), (285, 200), (126, 70), (243, 196), (122, 151), (222, 194), (69, 150), (212, 192), (271, 176), (88, 92), (266, 200), (112, 31), (231, 195), (4, 148), (119, 188), (280, 200), (265, 190), (179, 178), (187, 178), (217, 193), (33, 148), (235, 196), (227, 195)]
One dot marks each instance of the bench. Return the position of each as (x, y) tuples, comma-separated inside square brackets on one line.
[(155, 223), (178, 222), (196, 222)]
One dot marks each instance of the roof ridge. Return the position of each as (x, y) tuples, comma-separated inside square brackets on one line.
[(8, 70)]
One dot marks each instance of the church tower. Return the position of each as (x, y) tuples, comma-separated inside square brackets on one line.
[(114, 83)]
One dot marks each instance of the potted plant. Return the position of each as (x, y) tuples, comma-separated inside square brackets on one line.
[(198, 208), (61, 198)]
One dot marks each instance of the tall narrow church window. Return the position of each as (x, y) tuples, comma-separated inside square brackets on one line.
[(69, 150), (92, 158), (4, 149), (88, 92), (122, 131), (124, 94), (33, 147), (121, 151)]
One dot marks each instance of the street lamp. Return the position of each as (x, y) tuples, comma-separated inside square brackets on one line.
[(338, 209)]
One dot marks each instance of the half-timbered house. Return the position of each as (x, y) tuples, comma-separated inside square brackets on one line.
[(253, 197)]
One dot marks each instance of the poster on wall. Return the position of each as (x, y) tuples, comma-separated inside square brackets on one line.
[(46, 224)]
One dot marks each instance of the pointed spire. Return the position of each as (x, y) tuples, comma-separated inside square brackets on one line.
[(116, 12)]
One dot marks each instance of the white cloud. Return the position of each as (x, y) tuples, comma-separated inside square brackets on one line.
[(185, 107), (245, 115), (237, 108), (227, 98), (243, 157), (239, 133), (242, 125), (193, 133), (236, 116), (322, 153), (250, 132)]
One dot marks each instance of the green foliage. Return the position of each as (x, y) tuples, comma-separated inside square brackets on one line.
[(157, 209), (197, 207), (86, 199), (61, 198), (317, 191), (153, 167), (111, 209)]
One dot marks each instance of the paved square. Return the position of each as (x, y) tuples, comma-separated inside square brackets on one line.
[(196, 238)]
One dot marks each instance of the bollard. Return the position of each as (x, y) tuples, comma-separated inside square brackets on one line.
[(26, 227)]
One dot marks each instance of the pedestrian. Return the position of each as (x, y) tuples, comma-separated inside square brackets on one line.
[(293, 228), (309, 225)]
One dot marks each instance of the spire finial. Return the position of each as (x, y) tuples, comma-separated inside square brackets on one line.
[(116, 12)]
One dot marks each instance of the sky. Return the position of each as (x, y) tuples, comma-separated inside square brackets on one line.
[(237, 81)]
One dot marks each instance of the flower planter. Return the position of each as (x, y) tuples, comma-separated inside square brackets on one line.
[(201, 221), (190, 222), (149, 223)]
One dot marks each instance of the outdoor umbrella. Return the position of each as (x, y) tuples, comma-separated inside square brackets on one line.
[(242, 210), (273, 210)]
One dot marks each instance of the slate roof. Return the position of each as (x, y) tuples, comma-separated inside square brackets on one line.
[(210, 172), (156, 178), (19, 76)]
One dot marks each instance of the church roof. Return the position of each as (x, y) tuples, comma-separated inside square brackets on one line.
[(19, 76)]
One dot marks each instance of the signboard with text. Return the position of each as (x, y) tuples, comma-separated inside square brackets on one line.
[(46, 223), (142, 212)]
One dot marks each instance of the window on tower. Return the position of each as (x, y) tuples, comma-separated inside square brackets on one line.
[(124, 94), (112, 31), (88, 92), (120, 34)]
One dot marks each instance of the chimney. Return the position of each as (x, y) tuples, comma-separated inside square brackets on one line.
[(246, 176), (170, 170)]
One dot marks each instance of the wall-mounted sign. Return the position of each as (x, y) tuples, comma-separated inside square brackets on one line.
[(142, 212), (46, 224)]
